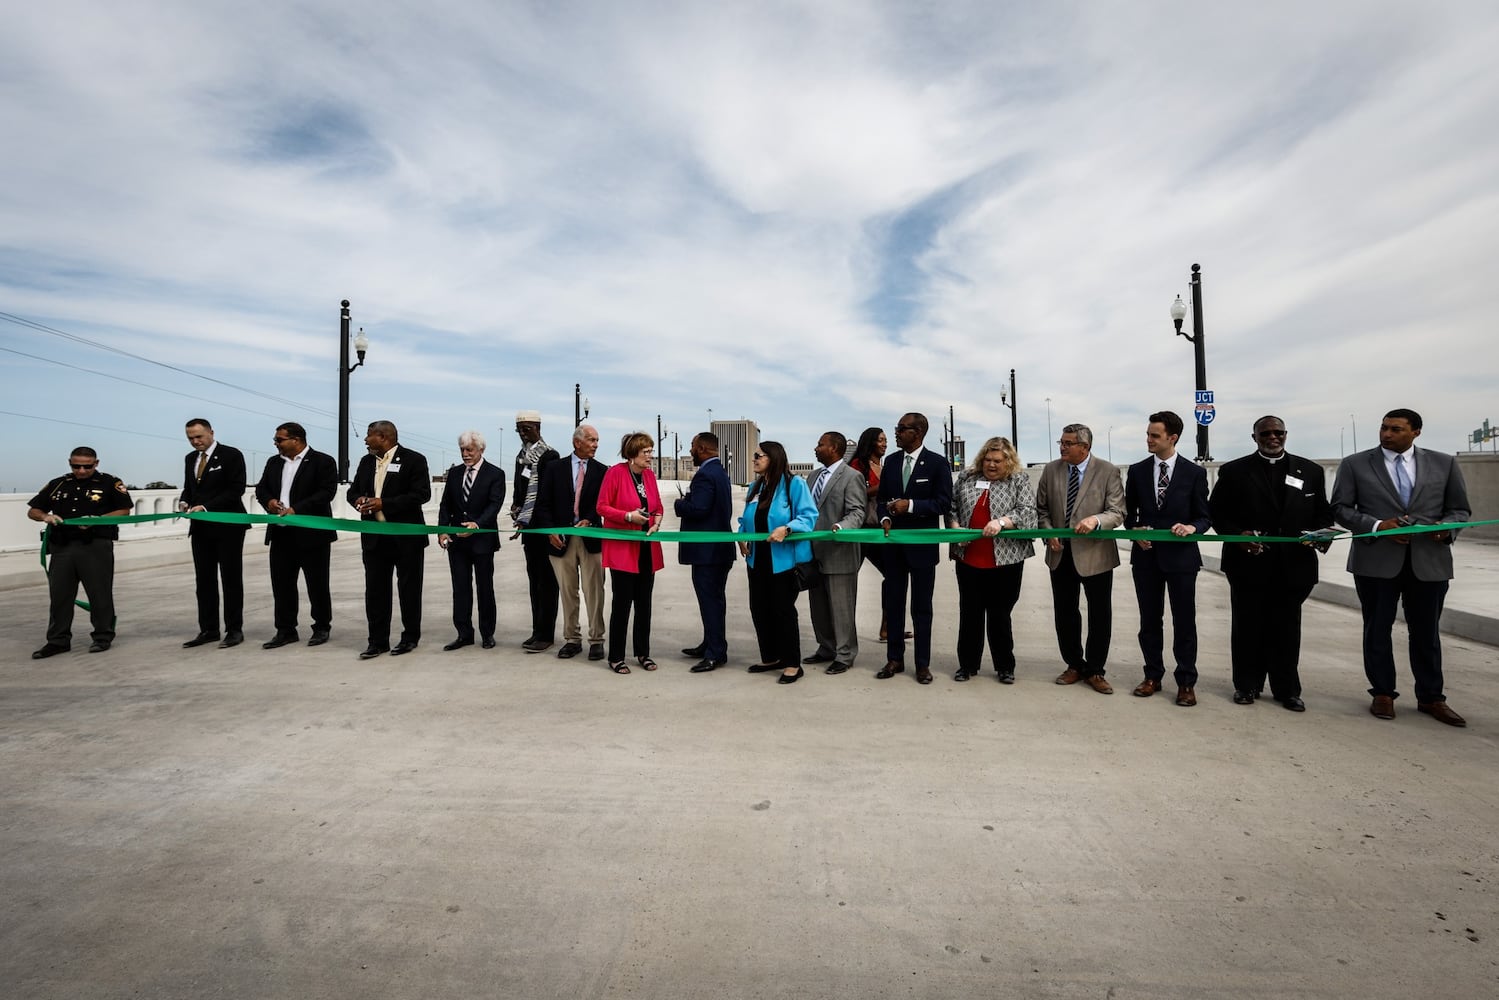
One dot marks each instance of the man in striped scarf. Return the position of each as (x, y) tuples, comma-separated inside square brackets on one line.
[(532, 459)]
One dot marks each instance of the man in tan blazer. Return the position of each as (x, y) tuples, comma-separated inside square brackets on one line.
[(1084, 493)]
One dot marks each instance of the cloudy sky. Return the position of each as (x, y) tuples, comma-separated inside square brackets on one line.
[(814, 215)]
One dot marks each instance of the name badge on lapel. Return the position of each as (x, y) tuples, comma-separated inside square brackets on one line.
[(1295, 483), (393, 467), (983, 485)]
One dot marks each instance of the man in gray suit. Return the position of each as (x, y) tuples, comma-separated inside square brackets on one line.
[(1389, 487), (1082, 492), (839, 493)]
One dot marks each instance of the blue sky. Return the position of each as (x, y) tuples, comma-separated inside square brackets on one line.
[(815, 216)]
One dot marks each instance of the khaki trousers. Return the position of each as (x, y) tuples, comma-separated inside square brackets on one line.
[(580, 572)]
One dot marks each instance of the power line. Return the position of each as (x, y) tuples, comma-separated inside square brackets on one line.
[(92, 427)]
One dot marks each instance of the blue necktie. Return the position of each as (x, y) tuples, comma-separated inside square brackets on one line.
[(1402, 481)]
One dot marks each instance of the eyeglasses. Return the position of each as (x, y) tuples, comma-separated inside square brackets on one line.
[(1064, 443), (280, 440), (1270, 434), (758, 456), (83, 465)]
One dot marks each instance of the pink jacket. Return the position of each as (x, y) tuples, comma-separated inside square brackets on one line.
[(617, 497)]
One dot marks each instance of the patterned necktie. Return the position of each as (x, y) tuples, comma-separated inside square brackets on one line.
[(1073, 482), (905, 479), (577, 488), (468, 484), (202, 464), (1162, 481), (1402, 481), (817, 487)]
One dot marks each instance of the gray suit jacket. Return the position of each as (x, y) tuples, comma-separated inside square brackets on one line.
[(843, 502), (1363, 495), (1101, 495)]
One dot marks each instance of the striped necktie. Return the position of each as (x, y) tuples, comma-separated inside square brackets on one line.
[(819, 486), (1162, 481), (468, 485), (1073, 482)]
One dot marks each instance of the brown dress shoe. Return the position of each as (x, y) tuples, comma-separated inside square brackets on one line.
[(1383, 707), (1068, 676), (1186, 697), (1148, 687), (1097, 683), (1438, 710), (890, 669)]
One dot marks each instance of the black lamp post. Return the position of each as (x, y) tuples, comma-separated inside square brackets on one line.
[(1179, 313), (580, 405), (361, 344), (1014, 418)]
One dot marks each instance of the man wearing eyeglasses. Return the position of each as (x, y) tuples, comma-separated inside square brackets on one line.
[(1269, 492), (1082, 492), (80, 553)]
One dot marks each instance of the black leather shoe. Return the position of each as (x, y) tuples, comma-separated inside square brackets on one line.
[(705, 665), (1293, 704), (1243, 698), (889, 670), (402, 648), (319, 636), (50, 649), (569, 650), (596, 651), (371, 652), (488, 642), (791, 678), (818, 657), (279, 639), (762, 668), (696, 652), (1007, 677), (459, 643), (232, 639), (836, 667), (201, 639), (536, 645), (102, 646), (961, 675)]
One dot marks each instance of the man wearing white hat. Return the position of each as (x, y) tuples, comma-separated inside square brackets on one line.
[(534, 456)]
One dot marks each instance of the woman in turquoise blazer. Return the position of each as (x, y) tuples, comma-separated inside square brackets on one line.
[(779, 504)]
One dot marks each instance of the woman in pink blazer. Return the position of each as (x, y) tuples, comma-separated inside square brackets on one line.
[(629, 500)]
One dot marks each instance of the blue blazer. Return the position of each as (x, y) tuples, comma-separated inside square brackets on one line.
[(1186, 503), (798, 511), (707, 506)]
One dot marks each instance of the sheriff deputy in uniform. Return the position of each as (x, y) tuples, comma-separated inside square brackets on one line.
[(81, 553)]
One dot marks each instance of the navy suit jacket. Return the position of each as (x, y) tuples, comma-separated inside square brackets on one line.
[(930, 493), (222, 489), (554, 500), (708, 505), (1186, 503), (485, 501), (312, 493), (407, 487)]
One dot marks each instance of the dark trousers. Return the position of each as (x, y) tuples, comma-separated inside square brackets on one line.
[(985, 599), (287, 559), (472, 570), (405, 558), (1066, 589), (91, 564), (901, 573), (1423, 600), (1265, 635), (709, 583), (1152, 588), (542, 581), (217, 556), (772, 601), (627, 592)]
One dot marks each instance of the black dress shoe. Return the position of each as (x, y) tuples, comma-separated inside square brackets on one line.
[(961, 675), (1243, 698), (403, 647), (1293, 704), (279, 639), (488, 642), (923, 675), (706, 665), (50, 649), (460, 642), (791, 678), (1007, 677), (319, 636), (201, 639), (836, 667), (569, 650), (695, 652), (233, 638), (536, 645), (762, 668), (889, 670), (596, 651), (818, 657), (370, 652), (101, 646)]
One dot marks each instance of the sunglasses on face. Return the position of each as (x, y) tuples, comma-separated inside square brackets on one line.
[(82, 465), (1270, 434)]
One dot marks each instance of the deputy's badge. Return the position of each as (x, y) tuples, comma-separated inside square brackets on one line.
[(95, 496)]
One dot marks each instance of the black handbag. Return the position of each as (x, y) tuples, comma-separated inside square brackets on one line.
[(808, 576)]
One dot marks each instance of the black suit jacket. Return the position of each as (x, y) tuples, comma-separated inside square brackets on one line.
[(554, 500), (485, 501), (222, 489), (1244, 500), (1186, 503), (930, 493), (312, 493), (407, 487), (708, 506)]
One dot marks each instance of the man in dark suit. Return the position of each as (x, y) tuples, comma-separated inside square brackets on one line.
[(707, 506), (541, 581), (1270, 492), (213, 478), (298, 480), (1388, 487), (391, 485), (1167, 493), (915, 493), (1083, 492), (569, 497), (472, 497)]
